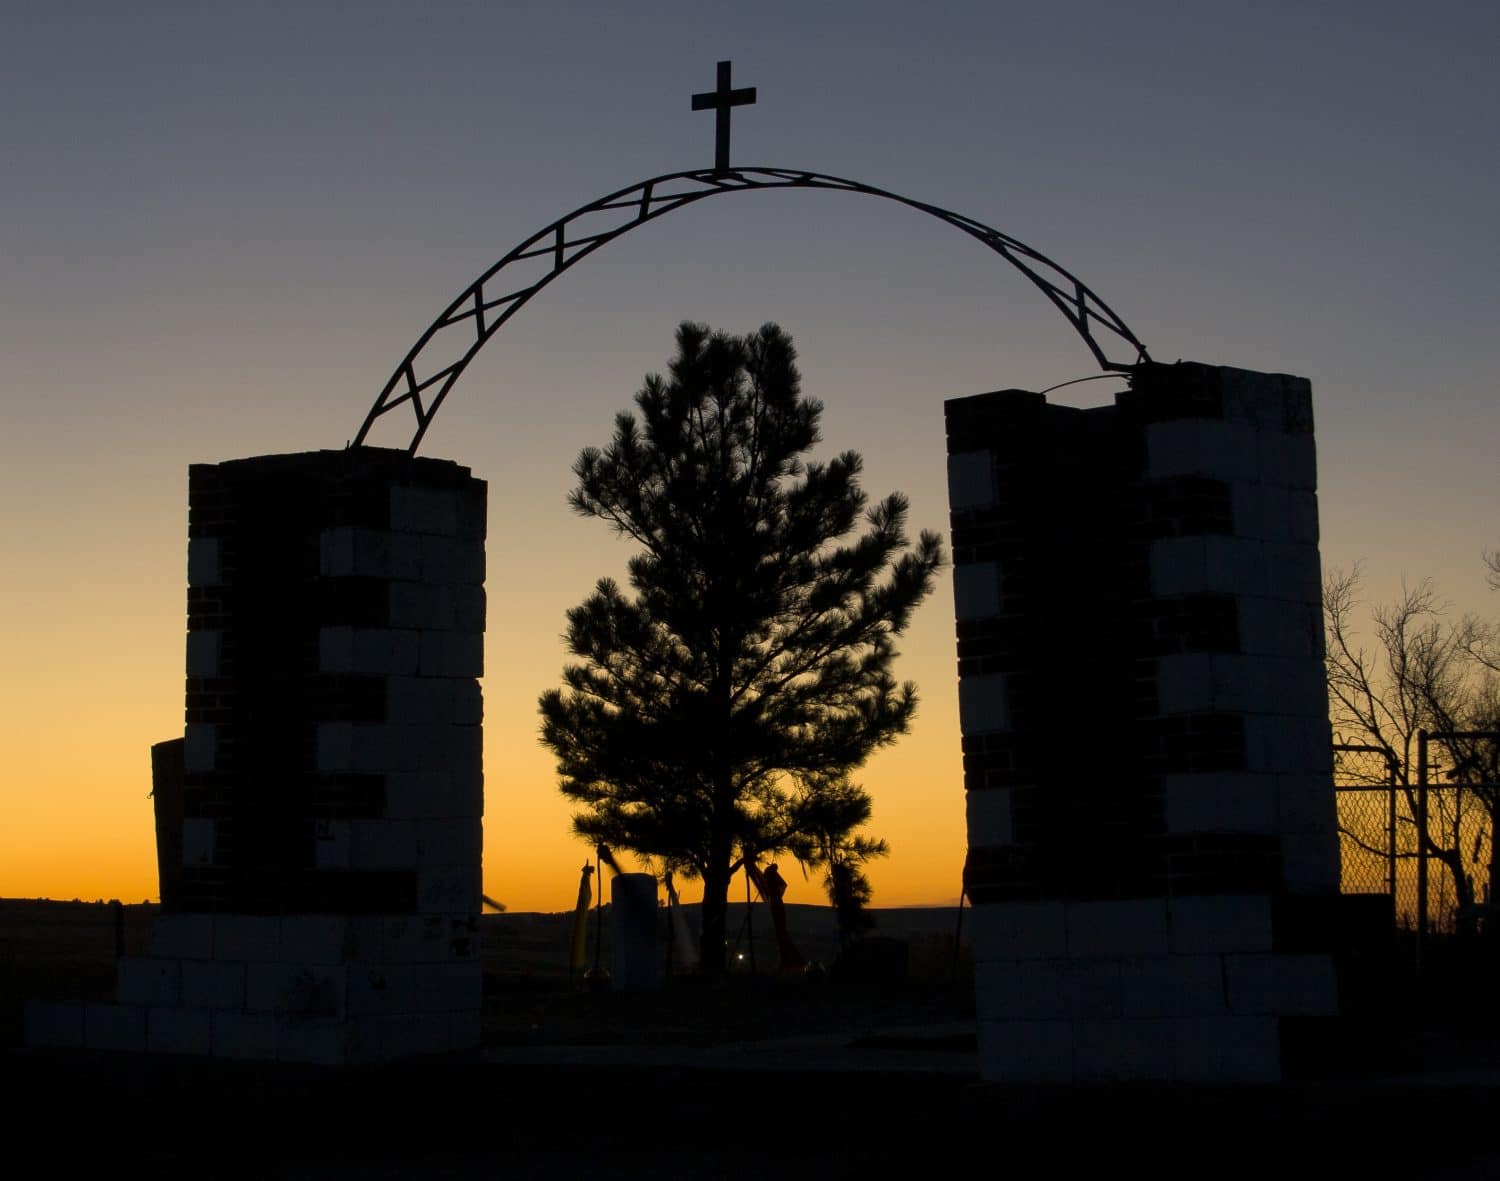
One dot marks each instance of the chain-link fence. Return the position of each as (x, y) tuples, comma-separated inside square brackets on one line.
[(1378, 844)]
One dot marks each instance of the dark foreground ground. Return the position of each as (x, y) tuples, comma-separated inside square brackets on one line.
[(69, 1113), (759, 1077)]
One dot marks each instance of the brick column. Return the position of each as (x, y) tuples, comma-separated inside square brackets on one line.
[(1145, 730), (331, 785)]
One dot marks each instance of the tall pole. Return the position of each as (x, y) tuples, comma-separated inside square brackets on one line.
[(1390, 829), (1422, 840)]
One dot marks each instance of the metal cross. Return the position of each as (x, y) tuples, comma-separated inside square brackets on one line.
[(720, 100)]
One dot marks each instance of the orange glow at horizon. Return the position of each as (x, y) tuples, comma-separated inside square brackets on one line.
[(82, 826)]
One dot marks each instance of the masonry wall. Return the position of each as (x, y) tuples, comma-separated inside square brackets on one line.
[(1146, 744), (327, 902)]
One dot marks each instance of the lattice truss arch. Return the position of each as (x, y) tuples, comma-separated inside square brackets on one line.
[(429, 371)]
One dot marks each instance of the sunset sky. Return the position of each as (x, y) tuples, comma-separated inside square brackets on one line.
[(223, 224)]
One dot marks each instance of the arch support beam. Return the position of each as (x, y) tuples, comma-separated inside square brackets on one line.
[(434, 364)]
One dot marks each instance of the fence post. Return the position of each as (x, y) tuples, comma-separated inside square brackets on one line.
[(1390, 830), (1422, 839)]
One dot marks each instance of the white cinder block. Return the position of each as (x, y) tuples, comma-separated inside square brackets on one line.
[(1201, 447), (1263, 399), (450, 841), (335, 746), (1221, 802), (1124, 1050), (984, 705), (411, 939), (114, 1027), (452, 654), (412, 794), (336, 552), (204, 566), (380, 554), (1295, 573), (1117, 928), (141, 980), (424, 510), (1306, 803), (976, 590), (468, 608), (1302, 517), (243, 1035), (319, 1041), (1236, 565), (1289, 460), (331, 843), (1288, 745), (448, 987), (336, 649), (203, 648), (971, 480), (55, 1024), (989, 818), (1281, 985), (1228, 1050), (1019, 930), (409, 1034), (199, 740), (455, 792), (246, 938), (213, 985), (448, 889), (464, 1029), (445, 559), (1091, 988), (422, 605), (1019, 990), (311, 990), (418, 700), (1178, 565), (199, 836), (1310, 861), (376, 747), (1025, 1051), (383, 844), (467, 787), (1216, 924), (382, 988), (1273, 627), (464, 941), (365, 939), (313, 938), (1270, 685), (448, 748), (175, 1030), (386, 652), (468, 703), (1172, 986), (183, 936), (1261, 511)]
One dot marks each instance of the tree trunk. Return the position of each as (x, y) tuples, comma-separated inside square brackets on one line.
[(713, 939)]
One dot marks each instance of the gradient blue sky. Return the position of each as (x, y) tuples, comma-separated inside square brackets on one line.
[(222, 225)]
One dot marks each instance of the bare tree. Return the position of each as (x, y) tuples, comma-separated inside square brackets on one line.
[(1425, 671)]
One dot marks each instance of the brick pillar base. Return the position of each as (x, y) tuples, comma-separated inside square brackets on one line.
[(328, 787), (1145, 727)]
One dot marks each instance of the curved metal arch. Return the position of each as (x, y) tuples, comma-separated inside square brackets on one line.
[(440, 356)]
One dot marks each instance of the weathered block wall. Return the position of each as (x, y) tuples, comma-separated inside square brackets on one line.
[(332, 791), (1146, 742)]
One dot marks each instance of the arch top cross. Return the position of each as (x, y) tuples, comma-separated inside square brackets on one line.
[(431, 366), (720, 100)]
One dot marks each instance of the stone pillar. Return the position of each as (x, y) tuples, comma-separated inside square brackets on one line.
[(328, 900), (1145, 730)]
